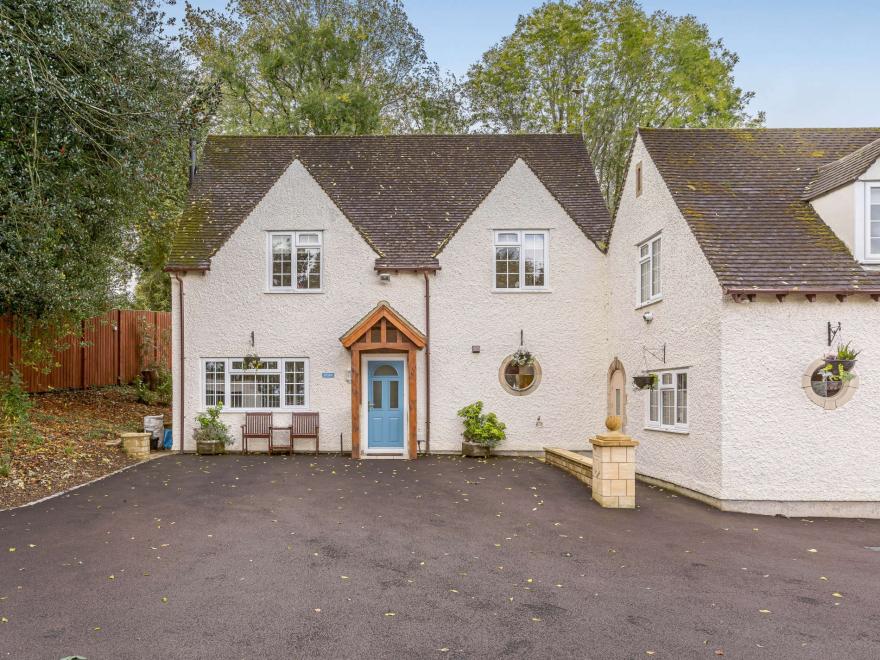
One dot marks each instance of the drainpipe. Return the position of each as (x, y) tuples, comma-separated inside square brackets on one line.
[(182, 378), (427, 364)]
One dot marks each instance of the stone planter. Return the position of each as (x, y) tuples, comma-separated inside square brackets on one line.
[(136, 445), (209, 447), (474, 450)]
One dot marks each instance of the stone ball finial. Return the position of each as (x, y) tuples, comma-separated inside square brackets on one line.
[(613, 423)]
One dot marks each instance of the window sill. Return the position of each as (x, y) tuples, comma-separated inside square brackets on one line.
[(522, 290), (653, 301), (299, 291), (658, 429), (239, 411)]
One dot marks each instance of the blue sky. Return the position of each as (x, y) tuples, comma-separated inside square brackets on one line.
[(810, 62)]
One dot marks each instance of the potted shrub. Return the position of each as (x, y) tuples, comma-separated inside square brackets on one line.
[(645, 381), (481, 432), (212, 436), (844, 358)]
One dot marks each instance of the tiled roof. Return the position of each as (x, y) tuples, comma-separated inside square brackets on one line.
[(741, 190), (842, 171), (407, 195)]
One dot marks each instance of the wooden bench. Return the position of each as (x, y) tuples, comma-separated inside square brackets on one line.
[(257, 426), (303, 425)]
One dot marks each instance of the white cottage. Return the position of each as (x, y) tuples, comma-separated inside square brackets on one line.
[(385, 282)]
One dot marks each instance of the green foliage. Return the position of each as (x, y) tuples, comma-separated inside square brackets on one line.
[(847, 352), (211, 428), (144, 393), (840, 374), (604, 68), (15, 407), (162, 394), (95, 125), (321, 67), (482, 429)]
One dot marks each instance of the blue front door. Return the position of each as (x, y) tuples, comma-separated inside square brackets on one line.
[(385, 405)]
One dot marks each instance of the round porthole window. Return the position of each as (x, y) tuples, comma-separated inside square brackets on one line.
[(519, 379), (825, 391)]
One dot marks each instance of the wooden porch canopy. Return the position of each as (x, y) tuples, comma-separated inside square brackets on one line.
[(382, 330)]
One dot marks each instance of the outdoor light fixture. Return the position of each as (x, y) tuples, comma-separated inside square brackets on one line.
[(648, 316), (385, 277)]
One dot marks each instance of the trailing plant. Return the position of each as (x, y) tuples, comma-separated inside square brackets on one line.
[(522, 358), (211, 428), (486, 430), (840, 374), (252, 361)]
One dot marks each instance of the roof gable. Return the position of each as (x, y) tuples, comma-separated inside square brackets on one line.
[(741, 190), (405, 194)]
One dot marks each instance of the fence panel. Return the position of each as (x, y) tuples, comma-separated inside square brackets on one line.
[(111, 349)]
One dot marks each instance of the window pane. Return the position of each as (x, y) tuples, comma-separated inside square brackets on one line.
[(507, 238), (655, 269), (643, 251), (645, 285), (385, 370), (507, 267), (534, 260), (666, 379), (875, 246), (295, 383), (668, 405), (875, 204), (681, 400), (519, 378), (308, 268), (281, 261), (308, 239), (377, 394), (255, 390), (653, 412), (215, 382), (393, 397)]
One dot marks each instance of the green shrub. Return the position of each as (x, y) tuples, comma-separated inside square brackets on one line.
[(482, 429), (164, 390), (15, 407), (211, 429), (5, 465), (144, 393)]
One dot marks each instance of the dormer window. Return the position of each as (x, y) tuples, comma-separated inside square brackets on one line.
[(872, 238)]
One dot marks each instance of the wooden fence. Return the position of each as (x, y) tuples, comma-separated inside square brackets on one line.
[(111, 349)]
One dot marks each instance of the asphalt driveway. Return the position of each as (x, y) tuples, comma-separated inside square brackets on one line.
[(258, 557)]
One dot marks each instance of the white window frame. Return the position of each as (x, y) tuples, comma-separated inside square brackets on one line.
[(228, 371), (649, 258), (871, 257), (295, 239), (521, 238), (673, 387)]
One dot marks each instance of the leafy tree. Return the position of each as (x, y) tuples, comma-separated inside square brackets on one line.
[(604, 68), (94, 155), (318, 67)]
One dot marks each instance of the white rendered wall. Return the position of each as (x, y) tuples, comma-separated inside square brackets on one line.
[(224, 305), (778, 445), (565, 328), (687, 320)]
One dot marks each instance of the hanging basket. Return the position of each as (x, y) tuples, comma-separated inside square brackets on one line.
[(252, 361), (522, 358), (645, 382), (835, 364)]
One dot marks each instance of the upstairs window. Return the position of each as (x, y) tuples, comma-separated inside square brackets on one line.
[(521, 260), (873, 237), (295, 261), (649, 271)]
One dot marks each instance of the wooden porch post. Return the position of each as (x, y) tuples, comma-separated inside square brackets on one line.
[(411, 369), (355, 402)]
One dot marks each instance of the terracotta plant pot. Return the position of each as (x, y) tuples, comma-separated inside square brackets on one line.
[(474, 450)]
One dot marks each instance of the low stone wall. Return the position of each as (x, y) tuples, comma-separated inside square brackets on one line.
[(580, 467)]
